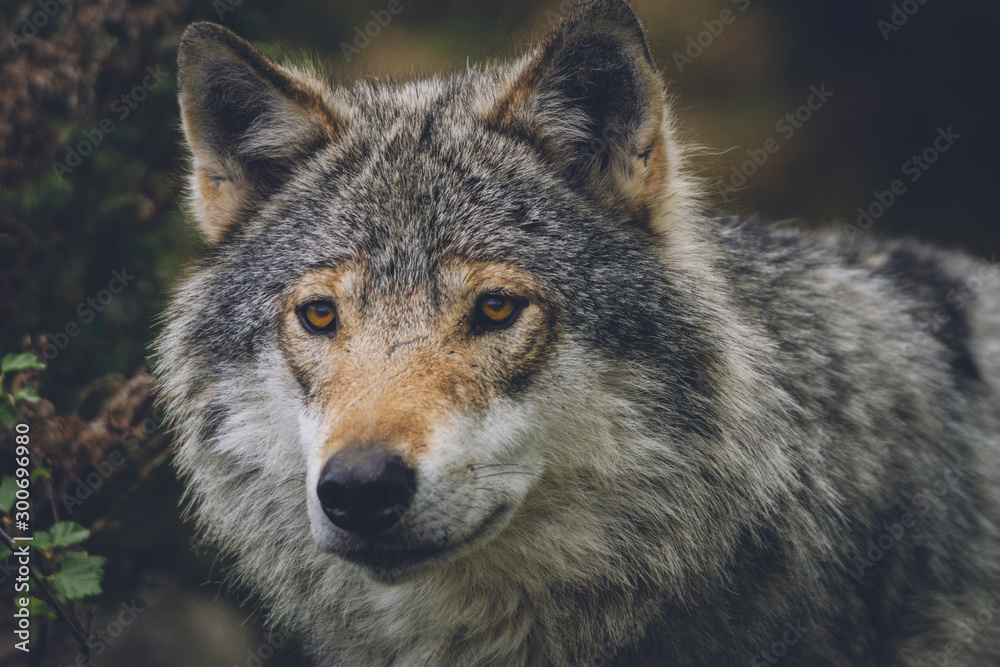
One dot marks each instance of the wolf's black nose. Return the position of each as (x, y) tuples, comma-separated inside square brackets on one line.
[(366, 489)]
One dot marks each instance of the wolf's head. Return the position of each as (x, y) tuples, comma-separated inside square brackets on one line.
[(447, 305)]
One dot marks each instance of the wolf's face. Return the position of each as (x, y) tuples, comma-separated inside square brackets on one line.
[(419, 276), (415, 441)]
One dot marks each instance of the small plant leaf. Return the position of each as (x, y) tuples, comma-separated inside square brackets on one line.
[(21, 362), (62, 534), (4, 551), (8, 415), (38, 607), (28, 395), (80, 575), (8, 494)]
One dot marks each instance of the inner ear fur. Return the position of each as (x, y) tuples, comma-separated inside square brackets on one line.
[(248, 123), (591, 100)]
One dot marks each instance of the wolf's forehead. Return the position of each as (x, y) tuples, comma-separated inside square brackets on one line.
[(395, 231), (412, 192), (407, 116)]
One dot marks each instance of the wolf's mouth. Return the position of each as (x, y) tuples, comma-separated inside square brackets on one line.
[(391, 559)]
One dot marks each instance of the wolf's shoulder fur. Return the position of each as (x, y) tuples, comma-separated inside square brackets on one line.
[(469, 377)]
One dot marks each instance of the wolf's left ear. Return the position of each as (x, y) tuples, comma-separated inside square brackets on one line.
[(248, 122), (591, 99)]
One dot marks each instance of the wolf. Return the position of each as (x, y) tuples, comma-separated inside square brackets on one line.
[(471, 374)]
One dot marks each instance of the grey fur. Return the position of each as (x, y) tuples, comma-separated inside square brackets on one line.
[(732, 417)]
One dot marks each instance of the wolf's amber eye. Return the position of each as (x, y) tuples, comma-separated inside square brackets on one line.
[(496, 311), (319, 317)]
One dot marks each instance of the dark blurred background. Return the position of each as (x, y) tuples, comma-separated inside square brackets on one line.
[(898, 73)]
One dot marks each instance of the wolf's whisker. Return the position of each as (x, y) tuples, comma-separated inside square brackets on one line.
[(479, 466), (295, 479), (508, 472)]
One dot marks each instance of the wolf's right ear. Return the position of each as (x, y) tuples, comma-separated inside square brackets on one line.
[(592, 102), (248, 123)]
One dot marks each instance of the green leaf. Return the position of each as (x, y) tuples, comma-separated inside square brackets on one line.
[(9, 416), (79, 576), (38, 472), (28, 395), (38, 607), (8, 494), (4, 551), (62, 534), (25, 361)]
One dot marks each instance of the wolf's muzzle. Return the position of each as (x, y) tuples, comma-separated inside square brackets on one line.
[(366, 489)]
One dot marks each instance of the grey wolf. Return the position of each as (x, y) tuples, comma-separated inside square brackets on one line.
[(470, 375)]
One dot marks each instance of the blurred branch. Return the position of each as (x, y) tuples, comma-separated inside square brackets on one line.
[(70, 447), (140, 479)]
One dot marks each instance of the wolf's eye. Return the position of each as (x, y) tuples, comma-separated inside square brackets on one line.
[(319, 317), (496, 311)]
